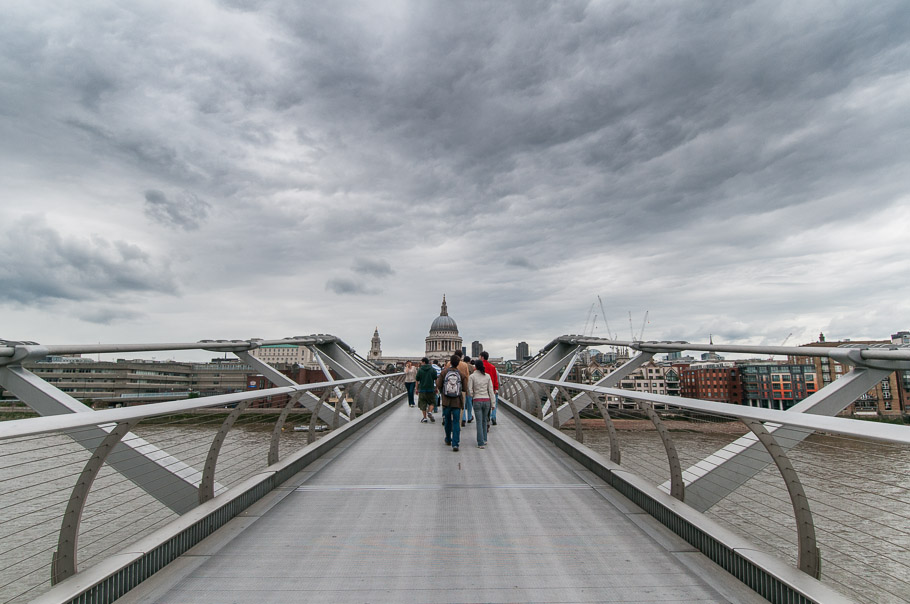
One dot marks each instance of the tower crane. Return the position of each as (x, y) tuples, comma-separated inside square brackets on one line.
[(584, 331), (603, 314), (787, 339), (643, 323)]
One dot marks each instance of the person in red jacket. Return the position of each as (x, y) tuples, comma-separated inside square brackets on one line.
[(490, 368)]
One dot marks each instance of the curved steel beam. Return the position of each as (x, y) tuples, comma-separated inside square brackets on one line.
[(518, 394), (63, 563), (314, 417), (279, 427), (369, 399), (552, 402), (677, 487), (339, 404), (579, 434), (809, 557), (511, 392), (356, 390), (207, 486), (615, 454), (536, 399)]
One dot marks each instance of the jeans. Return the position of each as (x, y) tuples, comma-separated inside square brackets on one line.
[(493, 412), (468, 413), (451, 420), (410, 387), (481, 417)]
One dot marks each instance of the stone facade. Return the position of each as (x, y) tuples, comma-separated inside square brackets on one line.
[(443, 340)]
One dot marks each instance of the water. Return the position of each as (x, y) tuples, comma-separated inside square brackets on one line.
[(856, 489), (38, 475)]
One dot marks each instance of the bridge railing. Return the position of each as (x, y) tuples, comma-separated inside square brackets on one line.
[(828, 494), (76, 488)]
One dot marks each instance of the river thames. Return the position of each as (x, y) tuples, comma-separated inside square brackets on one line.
[(856, 490)]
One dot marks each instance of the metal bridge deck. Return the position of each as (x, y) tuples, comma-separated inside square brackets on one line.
[(393, 515)]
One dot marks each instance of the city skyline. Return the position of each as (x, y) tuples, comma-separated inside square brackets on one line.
[(238, 169)]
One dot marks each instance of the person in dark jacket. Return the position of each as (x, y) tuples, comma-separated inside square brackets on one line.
[(426, 389)]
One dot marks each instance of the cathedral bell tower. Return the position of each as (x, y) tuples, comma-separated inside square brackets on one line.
[(375, 351)]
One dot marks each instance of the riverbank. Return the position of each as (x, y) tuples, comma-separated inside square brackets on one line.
[(644, 425), (249, 416)]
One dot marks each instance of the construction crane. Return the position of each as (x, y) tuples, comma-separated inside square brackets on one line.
[(603, 314), (787, 339), (643, 323), (588, 320)]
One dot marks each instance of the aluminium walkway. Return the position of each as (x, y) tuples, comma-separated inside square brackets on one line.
[(394, 515)]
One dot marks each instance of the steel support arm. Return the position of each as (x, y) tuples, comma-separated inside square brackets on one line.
[(309, 400), (63, 562), (162, 476), (721, 473), (609, 381)]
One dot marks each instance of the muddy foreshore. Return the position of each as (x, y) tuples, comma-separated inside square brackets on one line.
[(641, 425)]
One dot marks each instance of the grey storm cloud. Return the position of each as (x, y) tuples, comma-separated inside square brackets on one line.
[(639, 124), (106, 315), (38, 265), (344, 286), (520, 262), (185, 211), (372, 267), (651, 150)]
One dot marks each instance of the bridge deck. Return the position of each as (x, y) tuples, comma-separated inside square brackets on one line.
[(393, 515)]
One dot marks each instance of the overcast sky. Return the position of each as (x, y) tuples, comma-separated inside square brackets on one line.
[(173, 171)]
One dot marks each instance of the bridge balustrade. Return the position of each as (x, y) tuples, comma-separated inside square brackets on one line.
[(67, 504), (835, 515), (828, 494)]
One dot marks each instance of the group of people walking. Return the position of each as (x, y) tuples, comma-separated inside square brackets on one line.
[(467, 392)]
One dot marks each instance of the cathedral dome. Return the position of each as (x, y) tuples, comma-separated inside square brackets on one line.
[(443, 339), (444, 322)]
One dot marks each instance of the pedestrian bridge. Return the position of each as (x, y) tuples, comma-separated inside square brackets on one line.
[(186, 501)]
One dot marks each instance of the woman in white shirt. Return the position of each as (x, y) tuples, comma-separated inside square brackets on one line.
[(410, 381), (480, 387)]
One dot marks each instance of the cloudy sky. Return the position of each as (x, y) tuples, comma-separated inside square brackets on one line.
[(172, 171)]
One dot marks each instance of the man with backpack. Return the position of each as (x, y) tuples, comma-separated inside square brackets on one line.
[(451, 384)]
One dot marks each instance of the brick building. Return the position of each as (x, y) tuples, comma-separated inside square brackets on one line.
[(718, 382), (887, 399), (774, 385)]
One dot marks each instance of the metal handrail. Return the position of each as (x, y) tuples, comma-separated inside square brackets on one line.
[(10, 349), (892, 352), (54, 423), (757, 420), (820, 423)]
